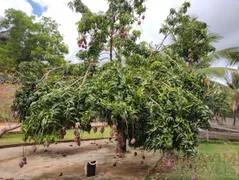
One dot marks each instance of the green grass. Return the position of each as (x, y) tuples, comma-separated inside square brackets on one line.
[(17, 138), (214, 161)]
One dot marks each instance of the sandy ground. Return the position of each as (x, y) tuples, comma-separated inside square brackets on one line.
[(66, 161)]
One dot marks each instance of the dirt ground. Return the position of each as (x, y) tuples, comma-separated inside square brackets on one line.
[(66, 161)]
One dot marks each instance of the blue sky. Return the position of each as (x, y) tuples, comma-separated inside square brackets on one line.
[(37, 9)]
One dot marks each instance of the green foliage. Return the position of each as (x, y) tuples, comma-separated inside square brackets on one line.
[(110, 31), (149, 96), (160, 110), (218, 101), (191, 37), (230, 54), (193, 42), (30, 41)]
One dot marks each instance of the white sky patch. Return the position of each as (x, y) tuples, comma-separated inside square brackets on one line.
[(16, 4)]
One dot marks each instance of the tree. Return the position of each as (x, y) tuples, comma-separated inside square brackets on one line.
[(233, 83), (191, 38), (30, 41), (218, 100), (110, 31), (49, 41), (193, 42), (152, 100)]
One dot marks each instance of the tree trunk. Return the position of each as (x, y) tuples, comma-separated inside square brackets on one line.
[(122, 136), (123, 147), (234, 118), (5, 130), (111, 48)]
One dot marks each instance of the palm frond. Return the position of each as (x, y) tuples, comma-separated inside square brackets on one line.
[(231, 54), (232, 80), (213, 37), (235, 102), (224, 88), (219, 72), (70, 5)]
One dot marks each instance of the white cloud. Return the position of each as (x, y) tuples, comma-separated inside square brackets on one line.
[(156, 13), (16, 4)]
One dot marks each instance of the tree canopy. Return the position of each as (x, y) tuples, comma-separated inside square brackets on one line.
[(191, 37), (109, 34), (157, 98), (160, 110), (152, 99), (30, 41)]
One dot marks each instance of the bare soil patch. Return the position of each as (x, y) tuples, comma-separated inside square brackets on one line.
[(63, 161)]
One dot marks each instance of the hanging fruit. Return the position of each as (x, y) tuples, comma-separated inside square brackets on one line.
[(102, 130), (133, 141), (114, 127), (21, 164), (76, 133), (95, 129), (112, 133), (24, 160), (76, 139)]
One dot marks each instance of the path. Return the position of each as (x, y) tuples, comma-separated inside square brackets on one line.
[(69, 161)]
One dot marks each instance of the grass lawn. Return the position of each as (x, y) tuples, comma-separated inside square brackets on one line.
[(17, 138), (214, 161)]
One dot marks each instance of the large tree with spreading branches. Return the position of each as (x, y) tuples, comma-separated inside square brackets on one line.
[(150, 98)]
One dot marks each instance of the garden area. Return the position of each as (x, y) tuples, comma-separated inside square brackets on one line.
[(67, 160), (129, 109)]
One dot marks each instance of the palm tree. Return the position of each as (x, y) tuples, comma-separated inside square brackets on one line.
[(229, 75), (230, 54), (232, 80)]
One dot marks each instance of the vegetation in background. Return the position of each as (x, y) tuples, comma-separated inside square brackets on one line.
[(7, 94), (30, 41)]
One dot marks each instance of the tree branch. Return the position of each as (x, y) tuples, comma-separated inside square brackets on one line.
[(5, 130), (160, 45), (47, 74)]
